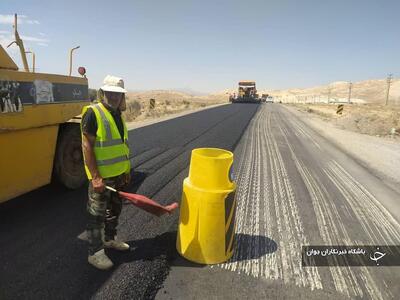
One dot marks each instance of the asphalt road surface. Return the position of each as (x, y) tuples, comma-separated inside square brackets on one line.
[(295, 188)]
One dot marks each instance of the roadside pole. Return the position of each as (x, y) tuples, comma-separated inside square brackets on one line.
[(389, 81), (350, 86), (329, 95)]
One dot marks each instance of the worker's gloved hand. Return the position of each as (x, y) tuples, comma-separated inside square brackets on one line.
[(98, 184)]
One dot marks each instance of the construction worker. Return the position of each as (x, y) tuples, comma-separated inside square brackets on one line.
[(106, 156)]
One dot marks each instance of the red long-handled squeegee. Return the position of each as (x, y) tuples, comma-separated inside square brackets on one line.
[(145, 203)]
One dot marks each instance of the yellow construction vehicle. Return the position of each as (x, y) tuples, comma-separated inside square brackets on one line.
[(247, 92), (39, 126)]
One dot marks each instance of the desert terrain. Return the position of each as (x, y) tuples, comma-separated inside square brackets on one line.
[(166, 102), (367, 91)]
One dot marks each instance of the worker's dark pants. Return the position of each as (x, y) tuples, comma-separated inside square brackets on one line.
[(103, 211)]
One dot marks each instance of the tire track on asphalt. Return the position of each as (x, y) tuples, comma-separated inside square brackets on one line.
[(324, 218), (252, 266), (290, 215), (285, 264), (303, 131), (257, 202), (371, 214), (351, 283), (271, 268), (363, 206), (243, 180), (246, 203), (281, 220)]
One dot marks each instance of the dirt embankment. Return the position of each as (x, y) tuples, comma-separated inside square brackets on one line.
[(371, 119), (165, 103)]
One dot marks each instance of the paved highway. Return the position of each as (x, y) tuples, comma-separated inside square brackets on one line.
[(294, 188)]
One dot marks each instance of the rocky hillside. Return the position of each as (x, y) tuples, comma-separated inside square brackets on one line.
[(370, 91)]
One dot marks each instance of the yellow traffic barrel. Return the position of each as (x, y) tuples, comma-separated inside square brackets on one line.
[(207, 215)]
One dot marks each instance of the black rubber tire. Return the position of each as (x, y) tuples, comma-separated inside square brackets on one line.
[(68, 161)]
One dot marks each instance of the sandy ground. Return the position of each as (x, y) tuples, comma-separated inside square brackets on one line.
[(150, 121), (381, 155), (371, 119), (166, 103)]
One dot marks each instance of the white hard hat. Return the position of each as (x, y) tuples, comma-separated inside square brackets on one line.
[(113, 84)]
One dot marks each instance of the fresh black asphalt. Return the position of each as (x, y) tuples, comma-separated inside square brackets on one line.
[(40, 254)]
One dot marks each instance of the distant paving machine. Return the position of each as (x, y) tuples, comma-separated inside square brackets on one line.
[(39, 126), (247, 93)]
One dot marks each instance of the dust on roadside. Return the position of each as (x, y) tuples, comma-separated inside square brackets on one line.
[(371, 119)]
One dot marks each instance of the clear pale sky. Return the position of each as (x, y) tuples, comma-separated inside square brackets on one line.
[(207, 45)]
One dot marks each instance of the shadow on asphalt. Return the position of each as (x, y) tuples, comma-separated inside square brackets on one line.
[(137, 180), (252, 247), (247, 247), (147, 249), (164, 245)]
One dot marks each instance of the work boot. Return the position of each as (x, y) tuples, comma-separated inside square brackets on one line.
[(117, 245), (100, 260)]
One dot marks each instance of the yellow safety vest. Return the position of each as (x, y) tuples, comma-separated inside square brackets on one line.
[(112, 154)]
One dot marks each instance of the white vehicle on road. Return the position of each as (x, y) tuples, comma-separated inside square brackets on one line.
[(269, 99)]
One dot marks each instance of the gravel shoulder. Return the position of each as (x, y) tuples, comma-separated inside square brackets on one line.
[(380, 155)]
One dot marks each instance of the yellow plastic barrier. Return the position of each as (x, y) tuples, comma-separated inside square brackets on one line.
[(207, 214)]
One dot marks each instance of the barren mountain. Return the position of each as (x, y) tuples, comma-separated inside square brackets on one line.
[(371, 91)]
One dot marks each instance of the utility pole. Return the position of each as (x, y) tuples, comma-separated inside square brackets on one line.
[(329, 94), (350, 86), (389, 81)]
